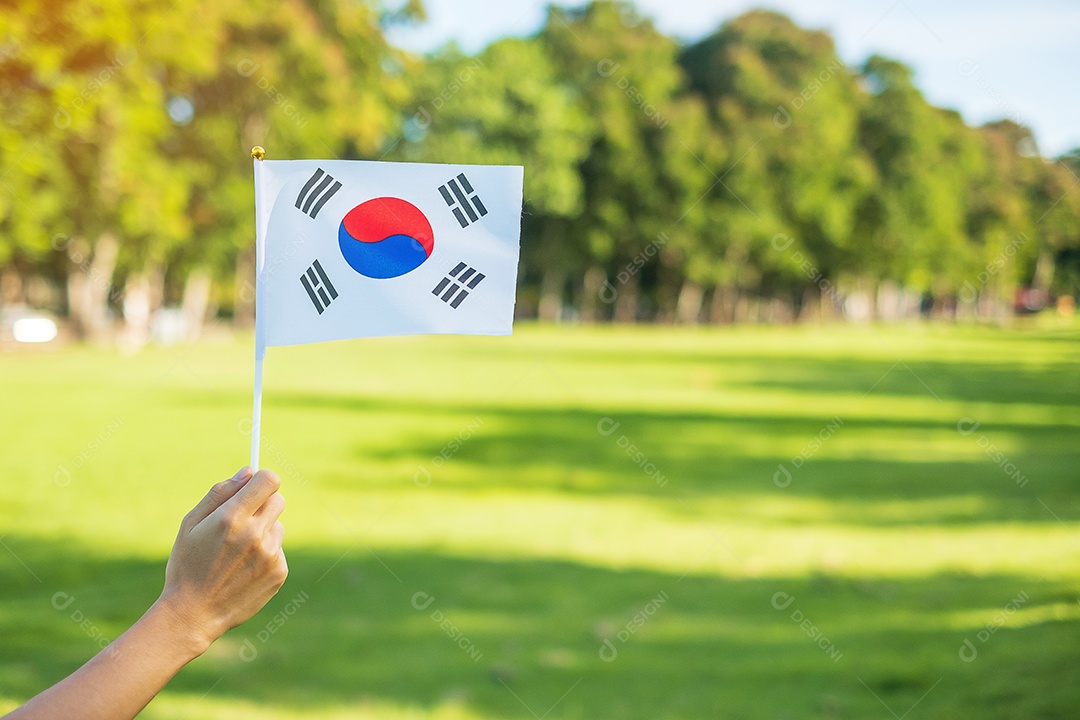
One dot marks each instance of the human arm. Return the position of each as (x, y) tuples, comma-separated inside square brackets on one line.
[(226, 563)]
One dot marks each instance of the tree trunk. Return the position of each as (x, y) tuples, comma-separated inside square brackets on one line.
[(244, 310), (858, 306), (78, 300), (90, 286), (888, 301), (1044, 272), (11, 286), (688, 307), (872, 296), (592, 286), (810, 308), (137, 310), (780, 311), (742, 309), (551, 290), (143, 294), (909, 303), (626, 304), (722, 310), (195, 303)]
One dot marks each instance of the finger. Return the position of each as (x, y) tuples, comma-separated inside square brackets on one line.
[(277, 532), (271, 510), (218, 495), (284, 567), (251, 497), (275, 536)]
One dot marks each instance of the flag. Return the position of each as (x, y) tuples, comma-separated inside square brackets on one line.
[(349, 249)]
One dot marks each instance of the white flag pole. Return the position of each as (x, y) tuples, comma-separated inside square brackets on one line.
[(257, 154), (256, 409)]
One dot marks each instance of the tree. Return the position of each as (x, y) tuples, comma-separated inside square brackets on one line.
[(781, 94), (639, 177), (506, 106), (129, 126)]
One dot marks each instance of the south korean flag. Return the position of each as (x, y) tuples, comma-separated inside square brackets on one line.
[(350, 249)]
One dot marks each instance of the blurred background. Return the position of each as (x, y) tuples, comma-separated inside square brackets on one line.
[(788, 427)]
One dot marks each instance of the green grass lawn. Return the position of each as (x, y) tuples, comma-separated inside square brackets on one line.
[(492, 482)]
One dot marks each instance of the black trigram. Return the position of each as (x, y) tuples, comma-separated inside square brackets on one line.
[(318, 286), (316, 192), (456, 194), (457, 284)]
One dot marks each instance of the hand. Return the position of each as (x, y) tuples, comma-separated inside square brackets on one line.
[(227, 560)]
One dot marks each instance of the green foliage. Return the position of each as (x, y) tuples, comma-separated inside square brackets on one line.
[(90, 145), (133, 120), (505, 106)]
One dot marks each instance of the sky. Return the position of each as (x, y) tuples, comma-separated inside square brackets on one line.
[(989, 59)]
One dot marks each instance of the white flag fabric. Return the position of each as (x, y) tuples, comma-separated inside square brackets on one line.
[(350, 249)]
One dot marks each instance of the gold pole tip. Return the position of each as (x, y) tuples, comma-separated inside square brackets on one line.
[(257, 152)]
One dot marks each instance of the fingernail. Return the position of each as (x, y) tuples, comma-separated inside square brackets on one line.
[(241, 473)]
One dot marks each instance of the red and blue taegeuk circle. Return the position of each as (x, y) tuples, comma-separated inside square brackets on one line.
[(385, 238)]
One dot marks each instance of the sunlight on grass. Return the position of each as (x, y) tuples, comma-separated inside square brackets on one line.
[(544, 488)]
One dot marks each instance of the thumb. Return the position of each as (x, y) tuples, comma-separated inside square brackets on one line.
[(216, 497)]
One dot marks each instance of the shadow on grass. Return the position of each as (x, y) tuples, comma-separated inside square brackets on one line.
[(963, 379), (523, 639), (717, 454), (1051, 384)]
